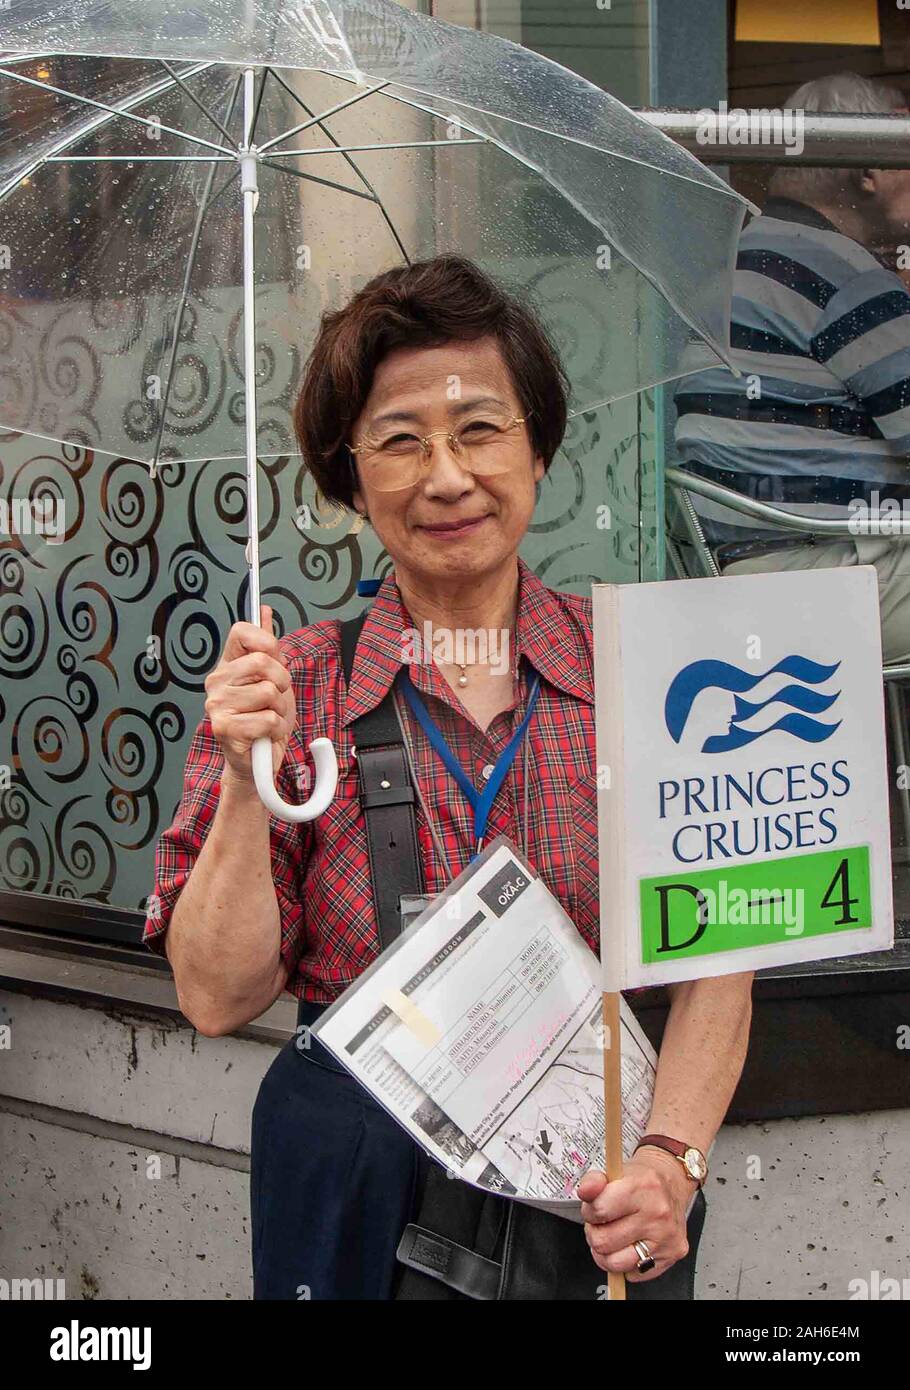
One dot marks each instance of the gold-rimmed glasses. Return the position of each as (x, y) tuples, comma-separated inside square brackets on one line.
[(484, 443)]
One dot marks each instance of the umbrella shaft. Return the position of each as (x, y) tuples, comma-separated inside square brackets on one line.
[(249, 185)]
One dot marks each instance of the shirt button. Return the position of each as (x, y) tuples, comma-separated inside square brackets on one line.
[(487, 771)]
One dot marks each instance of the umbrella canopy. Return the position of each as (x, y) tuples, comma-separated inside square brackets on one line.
[(384, 136), (351, 135)]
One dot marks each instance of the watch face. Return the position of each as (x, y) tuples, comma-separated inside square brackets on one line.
[(696, 1165)]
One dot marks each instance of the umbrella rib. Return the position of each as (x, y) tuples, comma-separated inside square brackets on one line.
[(382, 145), (84, 132), (715, 184), (258, 103), (11, 56), (353, 163), (328, 183), (529, 164), (205, 203), (289, 451), (323, 115), (139, 159), (114, 110), (201, 105)]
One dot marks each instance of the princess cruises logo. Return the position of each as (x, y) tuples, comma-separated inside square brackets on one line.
[(705, 704)]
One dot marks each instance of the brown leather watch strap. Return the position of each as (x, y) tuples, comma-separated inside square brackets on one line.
[(663, 1141), (679, 1150)]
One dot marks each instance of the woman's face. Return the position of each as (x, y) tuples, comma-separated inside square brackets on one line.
[(423, 526)]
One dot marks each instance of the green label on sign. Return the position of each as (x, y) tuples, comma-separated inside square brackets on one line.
[(777, 901)]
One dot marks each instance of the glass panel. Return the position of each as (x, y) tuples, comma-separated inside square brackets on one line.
[(818, 424), (106, 639)]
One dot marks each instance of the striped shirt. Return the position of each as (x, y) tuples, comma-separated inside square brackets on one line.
[(821, 414), (321, 868)]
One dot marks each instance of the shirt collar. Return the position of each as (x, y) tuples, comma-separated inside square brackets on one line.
[(554, 637), (791, 210), (547, 633)]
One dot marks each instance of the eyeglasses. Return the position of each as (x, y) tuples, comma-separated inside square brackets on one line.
[(484, 444)]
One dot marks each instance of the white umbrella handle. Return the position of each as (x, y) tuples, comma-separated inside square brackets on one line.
[(321, 748), (323, 755)]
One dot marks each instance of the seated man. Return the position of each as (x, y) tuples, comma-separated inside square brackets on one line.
[(820, 418)]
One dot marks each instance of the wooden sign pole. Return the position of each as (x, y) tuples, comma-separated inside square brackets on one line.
[(616, 1283)]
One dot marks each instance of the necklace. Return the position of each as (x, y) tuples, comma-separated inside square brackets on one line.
[(507, 635), (462, 667), (463, 678)]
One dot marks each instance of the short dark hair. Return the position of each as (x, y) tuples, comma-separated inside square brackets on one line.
[(427, 304)]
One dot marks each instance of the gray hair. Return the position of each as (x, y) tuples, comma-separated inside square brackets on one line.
[(841, 91)]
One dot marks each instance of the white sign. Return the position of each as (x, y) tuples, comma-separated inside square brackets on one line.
[(744, 822)]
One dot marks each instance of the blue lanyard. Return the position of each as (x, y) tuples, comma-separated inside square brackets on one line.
[(480, 801)]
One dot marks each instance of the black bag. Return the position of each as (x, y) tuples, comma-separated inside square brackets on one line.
[(462, 1242)]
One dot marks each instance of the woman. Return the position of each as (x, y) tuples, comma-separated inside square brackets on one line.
[(433, 404)]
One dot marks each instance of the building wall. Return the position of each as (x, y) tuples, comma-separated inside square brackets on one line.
[(124, 1152), (124, 1165)]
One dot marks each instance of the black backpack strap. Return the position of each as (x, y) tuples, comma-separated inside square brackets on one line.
[(454, 1248), (387, 797)]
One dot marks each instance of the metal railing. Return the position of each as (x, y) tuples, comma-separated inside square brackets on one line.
[(870, 523), (838, 140)]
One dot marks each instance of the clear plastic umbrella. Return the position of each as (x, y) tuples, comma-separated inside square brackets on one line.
[(234, 169)]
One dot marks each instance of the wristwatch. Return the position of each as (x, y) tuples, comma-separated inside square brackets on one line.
[(692, 1159)]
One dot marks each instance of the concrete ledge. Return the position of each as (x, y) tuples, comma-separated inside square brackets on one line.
[(146, 1074), (146, 1139), (67, 970)]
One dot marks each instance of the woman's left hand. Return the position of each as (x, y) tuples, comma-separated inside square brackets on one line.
[(647, 1203)]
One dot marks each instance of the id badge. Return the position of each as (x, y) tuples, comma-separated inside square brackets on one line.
[(410, 906)]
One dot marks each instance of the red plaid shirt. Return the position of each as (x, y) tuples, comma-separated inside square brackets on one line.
[(321, 868)]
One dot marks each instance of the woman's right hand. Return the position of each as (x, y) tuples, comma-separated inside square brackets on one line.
[(249, 695)]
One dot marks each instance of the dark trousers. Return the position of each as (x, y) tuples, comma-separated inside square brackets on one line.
[(333, 1184)]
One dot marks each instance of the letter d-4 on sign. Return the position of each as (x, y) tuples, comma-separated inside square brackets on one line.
[(746, 822)]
